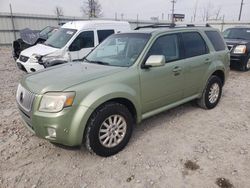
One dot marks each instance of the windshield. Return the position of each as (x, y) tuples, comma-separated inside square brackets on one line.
[(237, 33), (45, 31), (119, 50), (60, 38)]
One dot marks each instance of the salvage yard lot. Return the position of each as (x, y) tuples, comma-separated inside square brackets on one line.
[(183, 147)]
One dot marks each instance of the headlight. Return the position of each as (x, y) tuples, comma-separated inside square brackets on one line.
[(53, 58), (240, 49), (55, 102), (35, 57)]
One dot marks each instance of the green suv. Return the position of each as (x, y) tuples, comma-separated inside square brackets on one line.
[(127, 78)]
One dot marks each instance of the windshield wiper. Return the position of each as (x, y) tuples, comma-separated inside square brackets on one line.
[(49, 45), (96, 62)]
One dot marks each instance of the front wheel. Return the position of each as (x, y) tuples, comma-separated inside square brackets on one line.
[(212, 93), (109, 129), (246, 65)]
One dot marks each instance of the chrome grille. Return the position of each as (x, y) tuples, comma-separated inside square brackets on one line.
[(23, 58), (24, 98)]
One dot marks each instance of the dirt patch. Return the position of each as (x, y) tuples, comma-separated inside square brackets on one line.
[(224, 183), (190, 165)]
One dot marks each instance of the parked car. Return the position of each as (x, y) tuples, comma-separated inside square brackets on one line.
[(127, 78), (238, 42), (71, 42), (30, 38)]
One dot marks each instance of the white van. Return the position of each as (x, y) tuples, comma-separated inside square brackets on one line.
[(71, 42)]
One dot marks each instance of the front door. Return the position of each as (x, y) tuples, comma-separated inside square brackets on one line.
[(163, 85), (82, 45)]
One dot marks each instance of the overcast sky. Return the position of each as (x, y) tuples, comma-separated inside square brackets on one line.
[(130, 8)]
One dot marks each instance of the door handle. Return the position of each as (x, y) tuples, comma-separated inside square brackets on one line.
[(177, 71)]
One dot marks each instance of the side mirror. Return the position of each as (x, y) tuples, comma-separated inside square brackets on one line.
[(155, 61)]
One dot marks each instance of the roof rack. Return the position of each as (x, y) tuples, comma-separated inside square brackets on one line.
[(170, 26), (156, 26)]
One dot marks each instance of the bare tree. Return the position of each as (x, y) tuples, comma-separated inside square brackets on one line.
[(58, 11), (217, 13), (92, 8), (195, 11), (207, 12)]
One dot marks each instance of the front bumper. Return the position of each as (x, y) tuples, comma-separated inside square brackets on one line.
[(29, 66), (69, 124), (237, 61)]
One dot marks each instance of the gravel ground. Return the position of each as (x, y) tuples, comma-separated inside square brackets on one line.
[(183, 147)]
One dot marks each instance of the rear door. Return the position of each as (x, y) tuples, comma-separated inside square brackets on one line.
[(197, 61), (221, 51), (163, 85)]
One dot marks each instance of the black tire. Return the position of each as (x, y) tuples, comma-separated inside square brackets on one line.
[(246, 65), (204, 101), (95, 122)]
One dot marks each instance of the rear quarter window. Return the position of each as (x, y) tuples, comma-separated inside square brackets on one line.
[(194, 44), (216, 40)]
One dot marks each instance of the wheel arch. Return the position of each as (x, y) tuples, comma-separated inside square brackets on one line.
[(220, 74)]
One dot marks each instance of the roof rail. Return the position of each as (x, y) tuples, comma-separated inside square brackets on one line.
[(156, 26), (193, 25), (170, 26)]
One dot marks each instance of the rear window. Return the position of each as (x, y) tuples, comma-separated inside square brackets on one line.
[(194, 44), (216, 40), (103, 34)]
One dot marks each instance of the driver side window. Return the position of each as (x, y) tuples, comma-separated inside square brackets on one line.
[(83, 40), (168, 46)]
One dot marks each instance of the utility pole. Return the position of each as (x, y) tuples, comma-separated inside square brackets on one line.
[(241, 6), (12, 21), (173, 3)]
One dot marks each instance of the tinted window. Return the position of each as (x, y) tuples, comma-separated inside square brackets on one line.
[(103, 34), (167, 46), (237, 33), (216, 40), (194, 44), (83, 40)]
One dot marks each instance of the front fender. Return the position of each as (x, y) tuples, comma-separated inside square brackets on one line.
[(112, 91), (96, 98)]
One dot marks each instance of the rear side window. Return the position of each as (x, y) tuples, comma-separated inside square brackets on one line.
[(194, 44), (103, 34), (216, 40), (168, 46)]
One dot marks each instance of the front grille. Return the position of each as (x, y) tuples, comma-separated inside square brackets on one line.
[(24, 98), (23, 58), (230, 47)]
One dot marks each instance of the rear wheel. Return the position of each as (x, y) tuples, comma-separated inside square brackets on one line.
[(212, 93), (109, 129)]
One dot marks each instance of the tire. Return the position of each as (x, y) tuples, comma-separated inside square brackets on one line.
[(208, 100), (246, 65), (98, 132)]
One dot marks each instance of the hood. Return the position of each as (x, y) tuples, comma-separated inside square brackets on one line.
[(67, 75), (39, 49), (236, 41), (29, 36)]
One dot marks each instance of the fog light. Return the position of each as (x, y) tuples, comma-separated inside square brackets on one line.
[(51, 132)]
